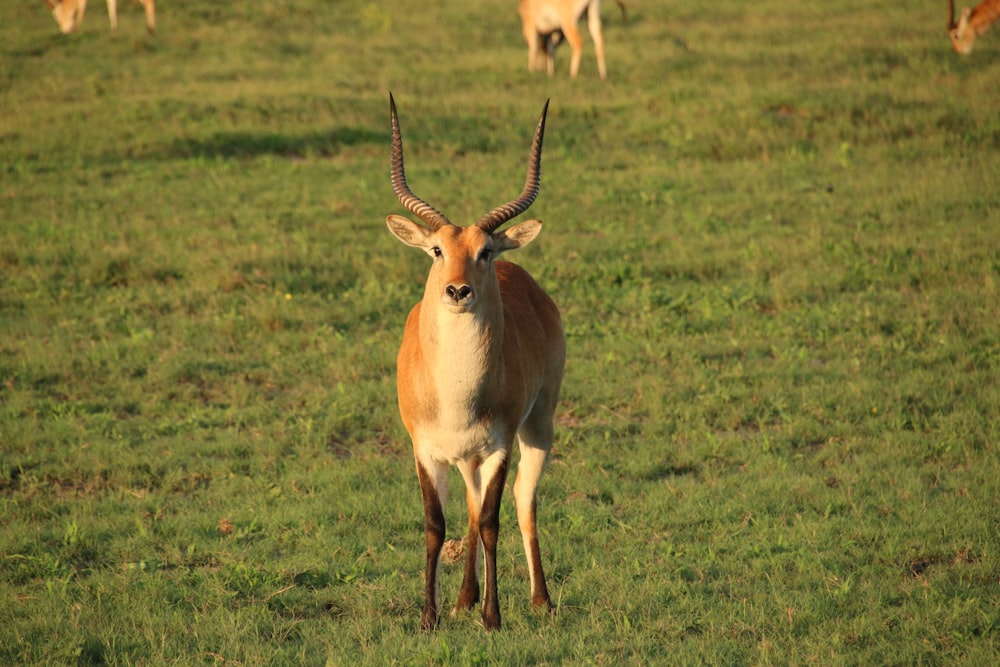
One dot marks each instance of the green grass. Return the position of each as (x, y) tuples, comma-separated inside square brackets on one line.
[(772, 233)]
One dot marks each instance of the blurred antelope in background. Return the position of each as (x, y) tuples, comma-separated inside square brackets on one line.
[(971, 24), (69, 14), (481, 362), (545, 22)]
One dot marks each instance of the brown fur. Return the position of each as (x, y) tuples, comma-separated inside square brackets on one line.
[(971, 24)]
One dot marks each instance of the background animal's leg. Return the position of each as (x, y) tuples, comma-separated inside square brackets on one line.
[(434, 490), (113, 14), (576, 43), (534, 41), (150, 15), (494, 476), (468, 596), (551, 42), (81, 9), (621, 5), (596, 32)]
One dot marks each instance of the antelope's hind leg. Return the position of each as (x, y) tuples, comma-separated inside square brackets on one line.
[(535, 440)]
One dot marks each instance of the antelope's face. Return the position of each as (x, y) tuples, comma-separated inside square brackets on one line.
[(962, 41), (962, 37), (463, 267), (67, 13), (463, 276), (463, 273)]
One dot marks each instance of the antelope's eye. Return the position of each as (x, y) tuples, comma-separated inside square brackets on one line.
[(436, 251), (484, 255)]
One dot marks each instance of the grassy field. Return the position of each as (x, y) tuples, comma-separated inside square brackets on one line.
[(773, 236)]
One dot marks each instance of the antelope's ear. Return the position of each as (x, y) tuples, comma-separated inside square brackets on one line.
[(517, 236), (409, 232)]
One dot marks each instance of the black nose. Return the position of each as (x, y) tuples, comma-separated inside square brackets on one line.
[(458, 293)]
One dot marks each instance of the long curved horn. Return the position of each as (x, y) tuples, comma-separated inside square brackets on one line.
[(951, 15), (502, 214), (433, 217)]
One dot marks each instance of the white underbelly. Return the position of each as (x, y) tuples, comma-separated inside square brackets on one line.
[(451, 444), (546, 21)]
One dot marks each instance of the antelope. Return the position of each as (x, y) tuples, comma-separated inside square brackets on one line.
[(69, 14), (481, 361), (545, 22), (971, 24)]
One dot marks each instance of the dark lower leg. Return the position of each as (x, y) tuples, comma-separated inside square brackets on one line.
[(434, 528), (489, 528), (468, 596), (539, 592)]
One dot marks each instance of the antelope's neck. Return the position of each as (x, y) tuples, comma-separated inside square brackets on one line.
[(464, 352)]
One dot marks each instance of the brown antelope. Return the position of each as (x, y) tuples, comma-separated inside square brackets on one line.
[(69, 14), (971, 24), (481, 361), (545, 22)]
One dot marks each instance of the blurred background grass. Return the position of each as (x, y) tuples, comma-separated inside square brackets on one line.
[(771, 233)]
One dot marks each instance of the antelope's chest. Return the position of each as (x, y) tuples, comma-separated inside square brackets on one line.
[(469, 420), (467, 412)]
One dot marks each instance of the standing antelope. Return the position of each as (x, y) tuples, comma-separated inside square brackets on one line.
[(543, 20), (972, 23), (69, 14), (481, 361)]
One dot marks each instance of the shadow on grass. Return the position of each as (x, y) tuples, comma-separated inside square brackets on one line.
[(665, 471), (252, 144)]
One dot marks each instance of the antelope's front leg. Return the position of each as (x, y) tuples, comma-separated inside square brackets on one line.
[(494, 476), (433, 489)]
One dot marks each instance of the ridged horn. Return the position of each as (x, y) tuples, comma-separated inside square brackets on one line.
[(502, 214), (430, 215), (951, 15)]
